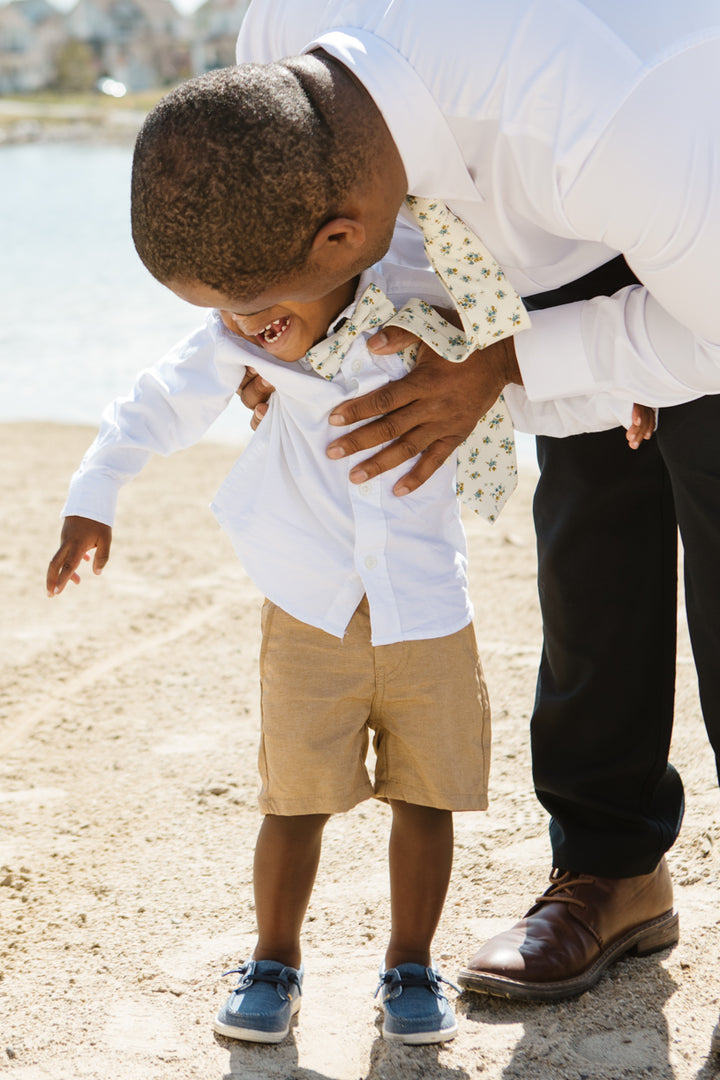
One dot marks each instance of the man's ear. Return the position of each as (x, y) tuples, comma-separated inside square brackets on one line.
[(338, 237)]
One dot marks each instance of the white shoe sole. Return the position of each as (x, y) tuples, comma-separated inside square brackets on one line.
[(420, 1038), (232, 1031)]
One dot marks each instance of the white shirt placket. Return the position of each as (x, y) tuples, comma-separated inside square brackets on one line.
[(367, 502)]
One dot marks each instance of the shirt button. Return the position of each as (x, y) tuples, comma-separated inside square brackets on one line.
[(370, 562), (357, 365), (365, 489)]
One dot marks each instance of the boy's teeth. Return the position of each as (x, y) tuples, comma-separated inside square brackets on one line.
[(273, 330)]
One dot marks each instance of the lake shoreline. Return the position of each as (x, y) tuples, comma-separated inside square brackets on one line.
[(26, 121), (115, 128)]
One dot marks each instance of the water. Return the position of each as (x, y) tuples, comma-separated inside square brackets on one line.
[(81, 315)]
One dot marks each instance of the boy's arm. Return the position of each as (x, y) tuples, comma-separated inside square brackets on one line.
[(170, 407), (79, 536)]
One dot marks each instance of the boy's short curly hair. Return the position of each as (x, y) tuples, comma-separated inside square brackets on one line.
[(233, 174)]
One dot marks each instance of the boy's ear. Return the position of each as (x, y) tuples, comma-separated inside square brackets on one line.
[(339, 236)]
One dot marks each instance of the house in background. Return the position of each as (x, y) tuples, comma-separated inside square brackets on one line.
[(31, 33), (215, 30), (140, 43)]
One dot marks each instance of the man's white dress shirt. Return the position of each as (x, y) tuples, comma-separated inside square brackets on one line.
[(562, 132), (311, 540)]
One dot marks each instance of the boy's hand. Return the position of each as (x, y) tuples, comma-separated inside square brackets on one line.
[(254, 392), (642, 425), (79, 536)]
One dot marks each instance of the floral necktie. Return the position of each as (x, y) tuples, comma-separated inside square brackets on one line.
[(489, 309)]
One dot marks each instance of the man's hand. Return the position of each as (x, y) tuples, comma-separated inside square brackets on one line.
[(79, 536), (429, 412), (254, 393)]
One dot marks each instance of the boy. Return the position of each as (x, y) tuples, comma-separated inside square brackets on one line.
[(367, 624)]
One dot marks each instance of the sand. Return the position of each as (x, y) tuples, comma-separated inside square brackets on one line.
[(128, 729)]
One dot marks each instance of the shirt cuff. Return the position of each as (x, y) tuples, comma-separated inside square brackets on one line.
[(97, 501), (567, 416), (552, 357)]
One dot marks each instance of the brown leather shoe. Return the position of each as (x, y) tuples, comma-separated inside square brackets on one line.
[(580, 926)]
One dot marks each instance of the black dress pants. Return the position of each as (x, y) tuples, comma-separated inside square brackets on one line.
[(606, 520)]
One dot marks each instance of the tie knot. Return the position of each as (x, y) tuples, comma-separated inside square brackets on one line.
[(372, 310)]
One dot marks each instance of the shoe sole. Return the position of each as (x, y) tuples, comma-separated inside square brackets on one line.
[(421, 1038), (650, 937), (231, 1031)]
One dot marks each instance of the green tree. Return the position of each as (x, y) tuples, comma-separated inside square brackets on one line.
[(75, 68)]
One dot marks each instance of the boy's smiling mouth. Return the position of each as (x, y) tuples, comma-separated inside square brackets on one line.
[(272, 333)]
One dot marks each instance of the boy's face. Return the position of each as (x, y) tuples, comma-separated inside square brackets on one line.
[(286, 329)]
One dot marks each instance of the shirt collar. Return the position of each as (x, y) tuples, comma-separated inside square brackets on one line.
[(373, 273), (418, 127)]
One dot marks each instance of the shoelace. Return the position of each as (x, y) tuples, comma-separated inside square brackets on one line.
[(274, 978), (560, 882), (428, 980)]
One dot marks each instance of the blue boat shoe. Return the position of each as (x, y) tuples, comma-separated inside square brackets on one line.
[(262, 1004), (416, 1010)]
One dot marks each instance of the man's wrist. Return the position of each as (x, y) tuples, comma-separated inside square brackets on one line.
[(500, 360)]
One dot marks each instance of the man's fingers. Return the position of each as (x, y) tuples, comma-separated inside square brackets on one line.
[(391, 339), (428, 412), (399, 451), (403, 425), (387, 399), (434, 383), (431, 460), (409, 446)]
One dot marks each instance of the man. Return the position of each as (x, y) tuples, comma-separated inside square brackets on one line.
[(563, 136)]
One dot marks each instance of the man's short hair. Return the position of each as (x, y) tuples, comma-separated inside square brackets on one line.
[(233, 174)]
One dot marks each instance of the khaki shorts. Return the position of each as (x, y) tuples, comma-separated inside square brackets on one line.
[(426, 702)]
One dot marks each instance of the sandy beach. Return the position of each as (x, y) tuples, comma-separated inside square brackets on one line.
[(128, 727)]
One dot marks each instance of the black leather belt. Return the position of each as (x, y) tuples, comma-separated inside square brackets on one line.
[(604, 281)]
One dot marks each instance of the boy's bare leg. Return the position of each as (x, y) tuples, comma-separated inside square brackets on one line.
[(421, 851), (287, 854)]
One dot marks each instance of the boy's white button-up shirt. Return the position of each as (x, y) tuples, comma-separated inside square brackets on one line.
[(312, 541), (562, 132)]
